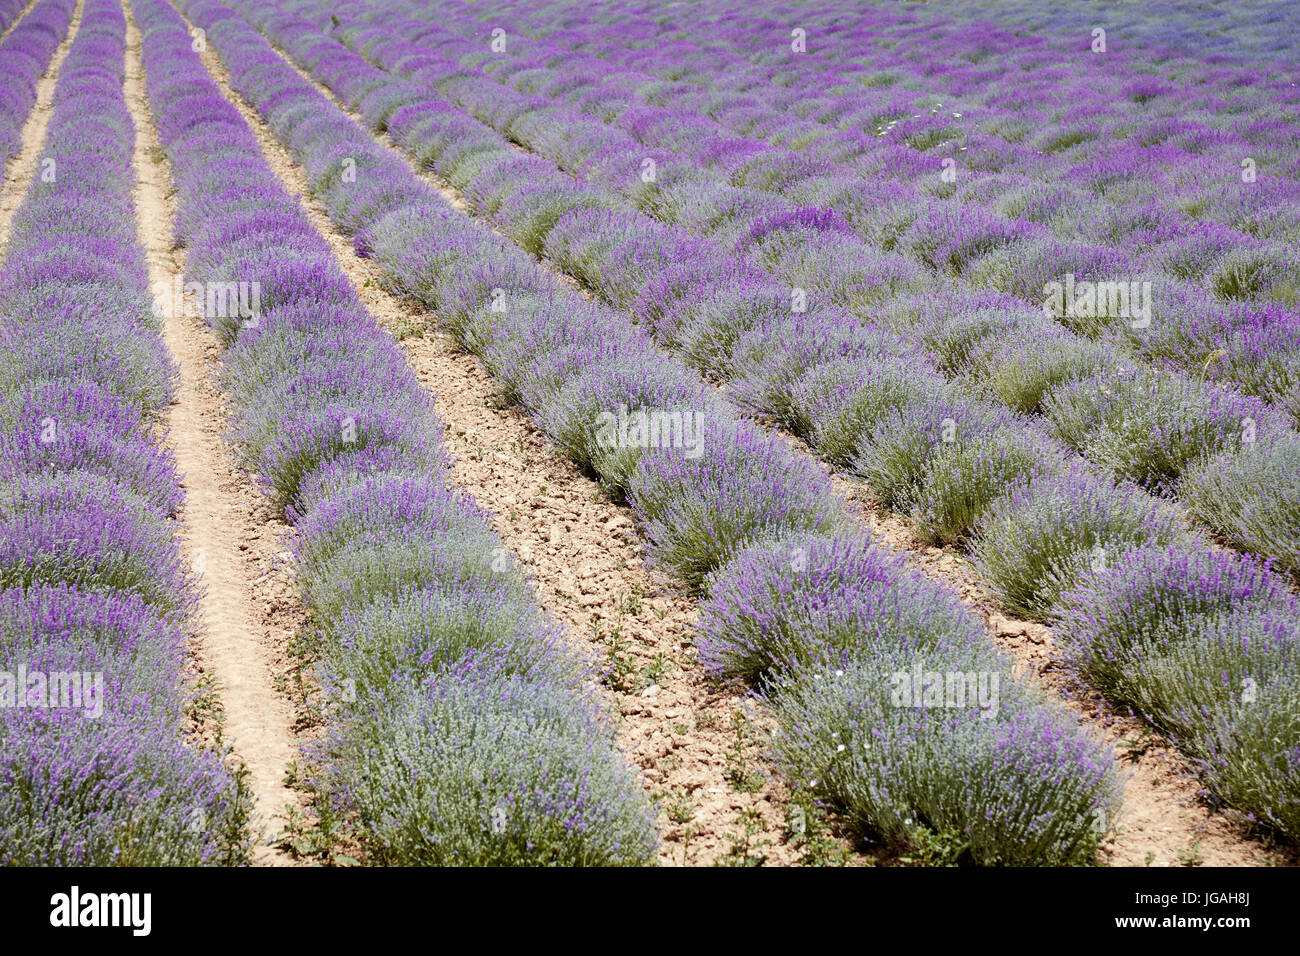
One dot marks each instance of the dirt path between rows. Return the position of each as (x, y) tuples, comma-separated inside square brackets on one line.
[(22, 168), (721, 804), (249, 610)]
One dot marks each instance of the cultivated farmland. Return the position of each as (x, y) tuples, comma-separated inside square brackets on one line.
[(539, 433)]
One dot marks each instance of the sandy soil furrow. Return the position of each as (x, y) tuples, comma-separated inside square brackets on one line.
[(249, 610), (22, 168), (581, 551)]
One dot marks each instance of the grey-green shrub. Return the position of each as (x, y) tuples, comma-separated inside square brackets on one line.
[(486, 768), (1252, 498), (1023, 786), (1037, 541), (1149, 426)]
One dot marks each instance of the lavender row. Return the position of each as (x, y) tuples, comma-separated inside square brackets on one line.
[(850, 386), (24, 55), (1042, 526), (1124, 131), (795, 599), (460, 727), (1256, 345), (96, 600), (712, 181)]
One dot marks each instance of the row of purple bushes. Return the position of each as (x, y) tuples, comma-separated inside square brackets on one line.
[(461, 729), (96, 600), (795, 598), (1169, 430), (24, 55), (1039, 525)]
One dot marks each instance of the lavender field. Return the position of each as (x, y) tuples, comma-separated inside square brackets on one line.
[(628, 433)]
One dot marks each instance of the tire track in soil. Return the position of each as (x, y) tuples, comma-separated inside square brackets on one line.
[(22, 168), (249, 610), (581, 552)]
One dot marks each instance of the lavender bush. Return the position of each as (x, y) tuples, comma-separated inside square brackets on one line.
[(1149, 426), (483, 768), (840, 402), (1252, 499), (1038, 540), (698, 511), (1202, 644), (781, 605), (92, 580), (1024, 786), (1154, 623)]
